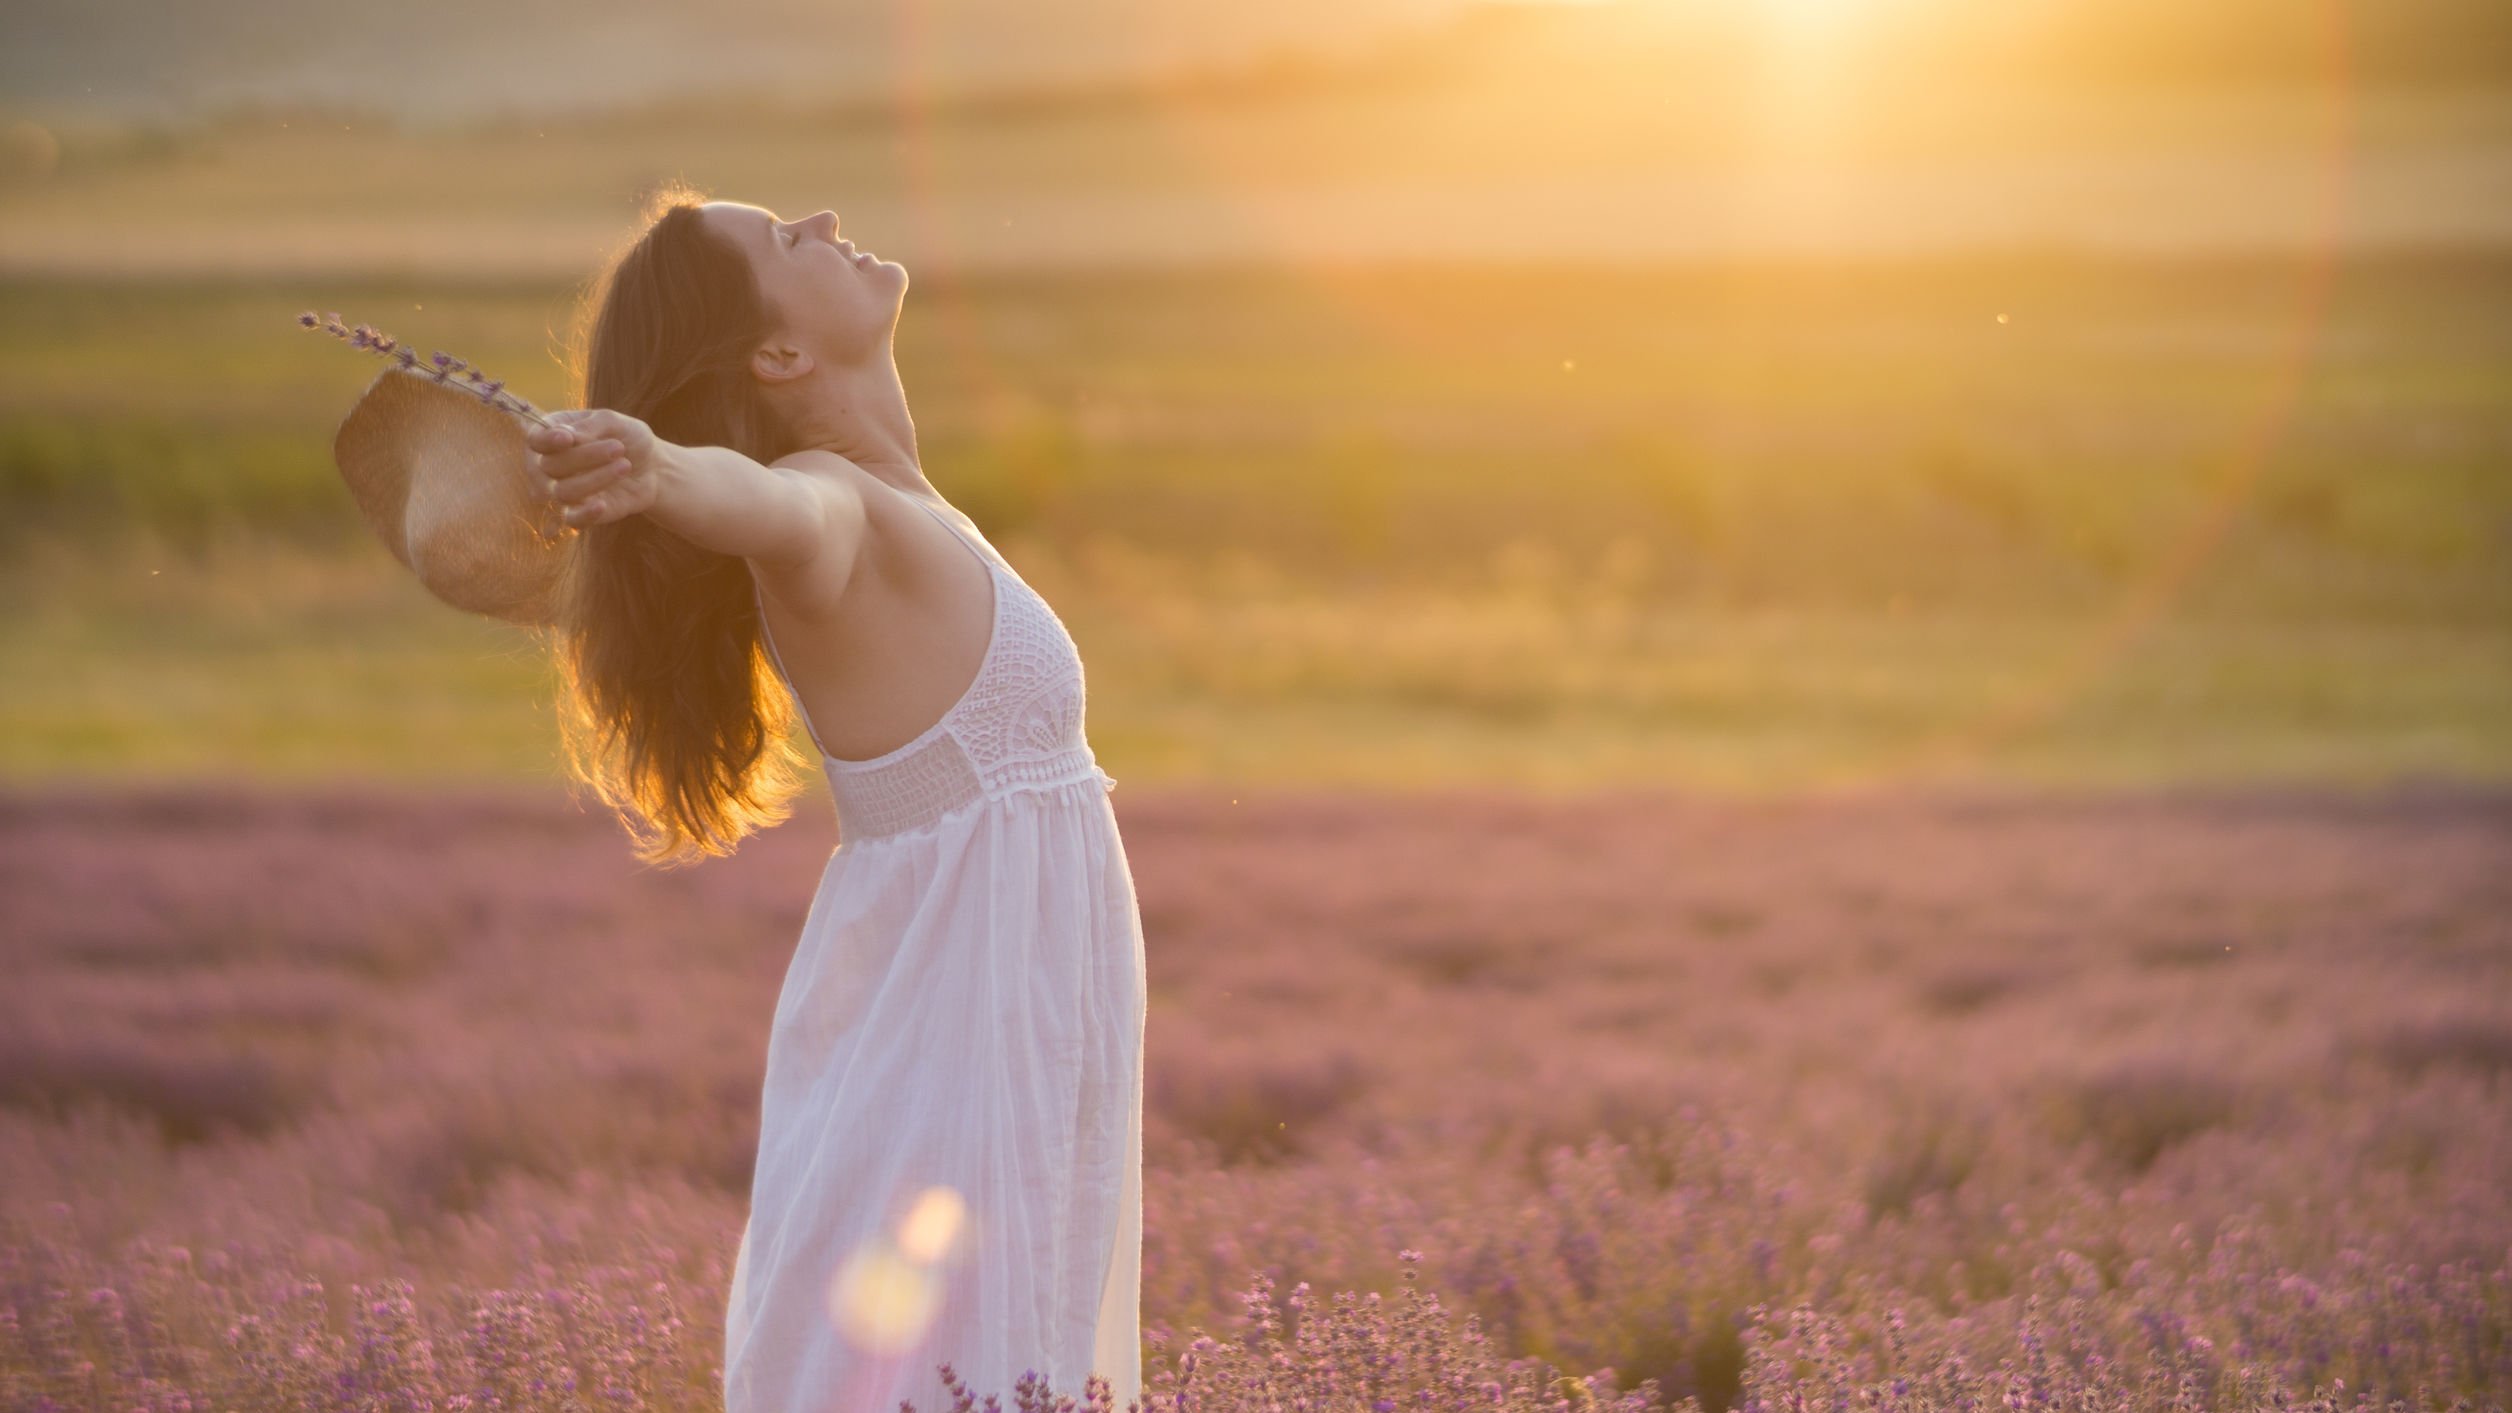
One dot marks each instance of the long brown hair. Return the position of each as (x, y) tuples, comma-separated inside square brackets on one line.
[(669, 707)]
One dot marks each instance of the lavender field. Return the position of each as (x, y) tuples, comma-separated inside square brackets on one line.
[(396, 1100)]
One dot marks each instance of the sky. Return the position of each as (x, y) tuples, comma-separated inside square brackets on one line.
[(1615, 130), (432, 61), (155, 60)]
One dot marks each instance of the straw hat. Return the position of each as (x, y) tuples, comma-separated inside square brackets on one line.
[(441, 476)]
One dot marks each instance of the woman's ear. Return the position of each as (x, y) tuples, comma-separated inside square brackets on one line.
[(780, 362)]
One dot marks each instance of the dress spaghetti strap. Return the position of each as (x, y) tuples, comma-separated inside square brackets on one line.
[(768, 640), (758, 602)]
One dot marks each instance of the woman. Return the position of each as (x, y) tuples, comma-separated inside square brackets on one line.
[(950, 1133)]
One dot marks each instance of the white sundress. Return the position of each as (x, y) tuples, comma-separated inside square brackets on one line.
[(950, 1131)]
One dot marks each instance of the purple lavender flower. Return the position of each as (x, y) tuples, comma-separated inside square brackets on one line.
[(440, 365)]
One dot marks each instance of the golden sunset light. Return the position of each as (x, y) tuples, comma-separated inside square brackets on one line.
[(883, 706)]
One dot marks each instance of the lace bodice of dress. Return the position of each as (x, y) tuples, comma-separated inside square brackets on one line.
[(1020, 724)]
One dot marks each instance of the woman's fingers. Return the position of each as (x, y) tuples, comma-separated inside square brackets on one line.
[(581, 455), (582, 460), (577, 460), (575, 427), (560, 467), (609, 501), (555, 436), (579, 486)]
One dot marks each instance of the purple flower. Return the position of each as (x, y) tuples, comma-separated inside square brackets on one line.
[(440, 365)]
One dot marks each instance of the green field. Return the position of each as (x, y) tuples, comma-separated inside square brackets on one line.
[(1735, 527)]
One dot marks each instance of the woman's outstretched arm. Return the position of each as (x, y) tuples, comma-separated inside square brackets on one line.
[(603, 465)]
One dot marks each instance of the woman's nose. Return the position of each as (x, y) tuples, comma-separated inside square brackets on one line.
[(832, 217)]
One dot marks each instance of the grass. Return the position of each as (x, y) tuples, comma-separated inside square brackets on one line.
[(1736, 527)]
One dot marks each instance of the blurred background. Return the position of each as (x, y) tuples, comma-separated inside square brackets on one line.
[(1738, 395)]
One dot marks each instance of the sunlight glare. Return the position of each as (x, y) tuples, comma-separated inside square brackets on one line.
[(886, 1295), (1811, 14), (882, 1301), (933, 1226)]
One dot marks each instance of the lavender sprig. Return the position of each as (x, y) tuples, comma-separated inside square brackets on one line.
[(441, 366)]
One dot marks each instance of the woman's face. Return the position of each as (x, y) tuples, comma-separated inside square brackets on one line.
[(840, 301)]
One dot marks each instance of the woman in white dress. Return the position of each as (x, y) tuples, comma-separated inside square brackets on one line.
[(950, 1131)]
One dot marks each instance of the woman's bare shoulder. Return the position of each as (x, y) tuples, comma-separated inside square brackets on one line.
[(857, 522), (890, 547)]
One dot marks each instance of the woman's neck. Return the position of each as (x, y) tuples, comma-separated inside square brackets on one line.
[(861, 414)]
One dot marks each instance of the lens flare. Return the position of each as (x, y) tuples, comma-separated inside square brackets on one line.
[(882, 1301), (884, 1297), (933, 1226)]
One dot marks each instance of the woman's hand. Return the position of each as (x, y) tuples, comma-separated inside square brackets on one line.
[(597, 464)]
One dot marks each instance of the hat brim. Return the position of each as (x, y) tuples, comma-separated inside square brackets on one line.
[(439, 476)]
